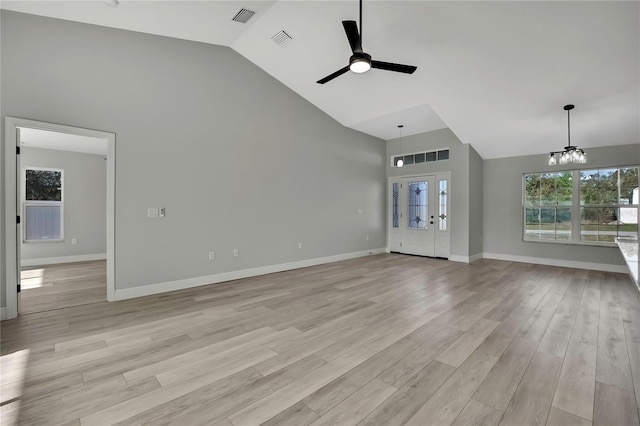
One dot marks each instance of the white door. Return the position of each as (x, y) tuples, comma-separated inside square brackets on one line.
[(419, 216)]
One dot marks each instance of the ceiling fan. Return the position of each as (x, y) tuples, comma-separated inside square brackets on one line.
[(360, 61)]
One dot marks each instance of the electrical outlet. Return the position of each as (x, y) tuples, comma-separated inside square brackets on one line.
[(74, 241), (236, 252), (300, 245), (212, 255), (360, 211), (162, 211), (152, 212)]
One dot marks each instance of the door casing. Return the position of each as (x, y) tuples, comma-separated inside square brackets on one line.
[(12, 229)]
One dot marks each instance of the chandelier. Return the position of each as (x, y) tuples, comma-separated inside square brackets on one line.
[(571, 154)]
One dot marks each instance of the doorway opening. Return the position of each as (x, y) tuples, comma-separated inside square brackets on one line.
[(419, 215), (60, 221)]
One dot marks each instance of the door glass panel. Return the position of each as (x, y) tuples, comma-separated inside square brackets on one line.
[(395, 213), (442, 205), (417, 205)]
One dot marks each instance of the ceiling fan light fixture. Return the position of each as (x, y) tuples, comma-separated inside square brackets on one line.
[(360, 63)]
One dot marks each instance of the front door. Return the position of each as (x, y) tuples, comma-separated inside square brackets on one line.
[(419, 215)]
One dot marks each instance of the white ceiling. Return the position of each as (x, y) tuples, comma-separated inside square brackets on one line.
[(497, 73), (36, 138)]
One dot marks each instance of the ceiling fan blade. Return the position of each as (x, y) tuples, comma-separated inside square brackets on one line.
[(351, 28), (408, 69), (334, 75)]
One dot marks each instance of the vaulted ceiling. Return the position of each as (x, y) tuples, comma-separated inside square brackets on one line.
[(497, 73)]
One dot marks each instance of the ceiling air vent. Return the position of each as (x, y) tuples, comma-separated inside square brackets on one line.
[(282, 38), (243, 15)]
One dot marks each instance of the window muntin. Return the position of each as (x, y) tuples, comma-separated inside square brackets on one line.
[(43, 208), (581, 206)]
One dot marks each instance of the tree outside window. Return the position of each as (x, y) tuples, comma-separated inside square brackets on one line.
[(43, 205)]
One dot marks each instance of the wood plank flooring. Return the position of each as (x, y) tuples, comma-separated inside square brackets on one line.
[(48, 287), (381, 340)]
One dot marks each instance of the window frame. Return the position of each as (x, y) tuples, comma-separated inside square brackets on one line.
[(27, 203), (575, 207)]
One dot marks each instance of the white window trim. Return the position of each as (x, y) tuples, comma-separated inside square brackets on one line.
[(25, 203)]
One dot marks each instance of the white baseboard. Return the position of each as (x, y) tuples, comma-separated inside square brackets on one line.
[(151, 289), (558, 262), (465, 259), (456, 258), (63, 259)]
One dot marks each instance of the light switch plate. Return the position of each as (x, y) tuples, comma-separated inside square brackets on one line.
[(152, 212)]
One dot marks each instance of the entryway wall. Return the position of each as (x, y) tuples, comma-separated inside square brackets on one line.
[(466, 170)]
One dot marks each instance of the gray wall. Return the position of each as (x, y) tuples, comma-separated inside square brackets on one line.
[(476, 202), (237, 159), (85, 202), (458, 165), (503, 206)]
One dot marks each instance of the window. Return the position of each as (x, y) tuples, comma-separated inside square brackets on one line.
[(396, 205), (548, 206), (43, 205), (422, 157), (581, 206), (442, 205), (607, 199)]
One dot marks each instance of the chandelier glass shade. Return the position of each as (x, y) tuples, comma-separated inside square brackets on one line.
[(571, 153)]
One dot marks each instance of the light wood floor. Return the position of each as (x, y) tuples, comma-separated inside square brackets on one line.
[(382, 340), (48, 287)]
